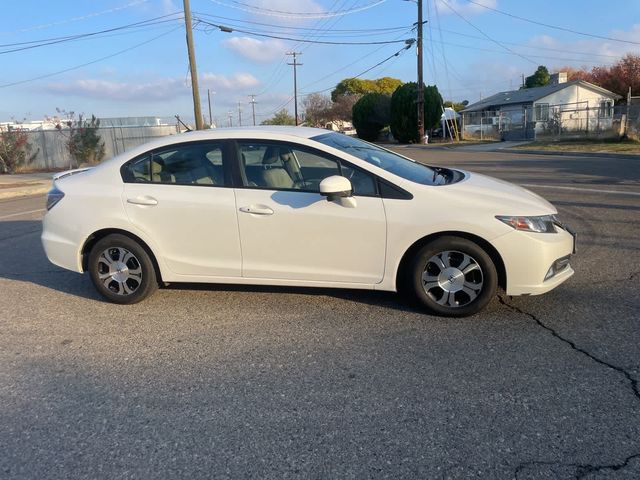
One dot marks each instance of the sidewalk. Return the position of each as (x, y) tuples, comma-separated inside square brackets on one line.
[(25, 184)]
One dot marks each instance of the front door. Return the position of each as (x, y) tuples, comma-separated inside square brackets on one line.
[(289, 231)]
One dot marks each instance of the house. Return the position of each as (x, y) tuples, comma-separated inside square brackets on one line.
[(558, 107)]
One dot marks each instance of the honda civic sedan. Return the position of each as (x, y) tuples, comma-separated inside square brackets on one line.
[(298, 206)]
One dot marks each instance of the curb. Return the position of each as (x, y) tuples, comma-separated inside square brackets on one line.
[(631, 156), (24, 191)]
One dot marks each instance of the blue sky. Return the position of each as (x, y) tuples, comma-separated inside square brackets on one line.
[(152, 78)]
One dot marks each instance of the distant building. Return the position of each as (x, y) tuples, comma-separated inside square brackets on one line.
[(135, 122), (520, 114)]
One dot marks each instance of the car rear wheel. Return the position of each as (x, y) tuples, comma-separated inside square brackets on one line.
[(121, 270), (453, 277)]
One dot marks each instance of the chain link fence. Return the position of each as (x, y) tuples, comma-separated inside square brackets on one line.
[(552, 122), (50, 152)]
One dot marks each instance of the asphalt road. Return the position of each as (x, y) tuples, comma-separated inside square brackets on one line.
[(247, 382)]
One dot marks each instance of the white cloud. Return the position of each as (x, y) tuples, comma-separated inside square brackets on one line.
[(586, 51), (239, 82), (262, 51), (168, 6), (161, 89), (465, 8)]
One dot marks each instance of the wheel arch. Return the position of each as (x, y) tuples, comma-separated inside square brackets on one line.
[(481, 242), (100, 234)]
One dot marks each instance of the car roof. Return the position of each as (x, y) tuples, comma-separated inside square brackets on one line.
[(260, 131)]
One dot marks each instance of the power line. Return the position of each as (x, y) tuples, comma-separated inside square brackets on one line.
[(485, 35), (320, 27), (544, 57), (344, 67), (56, 40), (301, 40), (290, 27), (120, 52), (76, 19), (396, 54), (300, 15), (522, 45), (555, 27)]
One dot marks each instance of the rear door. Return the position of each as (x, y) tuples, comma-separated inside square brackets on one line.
[(180, 196)]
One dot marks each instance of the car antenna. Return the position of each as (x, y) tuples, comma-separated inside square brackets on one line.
[(183, 124)]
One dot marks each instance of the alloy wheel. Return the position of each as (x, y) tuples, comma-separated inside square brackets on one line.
[(452, 278), (119, 271)]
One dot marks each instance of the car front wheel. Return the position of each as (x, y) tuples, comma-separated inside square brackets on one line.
[(453, 277), (121, 270)]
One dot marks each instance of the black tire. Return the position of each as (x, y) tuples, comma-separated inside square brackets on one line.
[(425, 278), (136, 277)]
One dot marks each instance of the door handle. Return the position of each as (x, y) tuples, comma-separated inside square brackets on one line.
[(257, 210), (145, 200)]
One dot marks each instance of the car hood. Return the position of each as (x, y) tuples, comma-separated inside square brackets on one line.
[(479, 191)]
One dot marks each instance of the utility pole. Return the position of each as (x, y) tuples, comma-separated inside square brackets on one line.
[(253, 108), (420, 101), (295, 81), (197, 111), (209, 98), (239, 114), (626, 122), (230, 114)]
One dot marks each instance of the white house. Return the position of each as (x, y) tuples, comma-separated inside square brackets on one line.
[(559, 105)]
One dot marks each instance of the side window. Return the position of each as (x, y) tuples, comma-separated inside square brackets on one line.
[(362, 182), (190, 164), (282, 166), (139, 171)]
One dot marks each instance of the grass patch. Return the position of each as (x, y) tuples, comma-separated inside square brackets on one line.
[(595, 146)]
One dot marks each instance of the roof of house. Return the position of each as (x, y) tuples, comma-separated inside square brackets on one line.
[(529, 95)]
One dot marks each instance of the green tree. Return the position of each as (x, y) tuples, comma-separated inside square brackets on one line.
[(387, 85), (280, 118), (404, 114), (371, 114), (359, 86), (539, 79), (85, 144)]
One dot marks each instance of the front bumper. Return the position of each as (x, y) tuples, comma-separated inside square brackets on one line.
[(528, 256)]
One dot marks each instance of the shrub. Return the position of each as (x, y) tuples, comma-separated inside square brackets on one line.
[(404, 114), (15, 150), (84, 144), (371, 114)]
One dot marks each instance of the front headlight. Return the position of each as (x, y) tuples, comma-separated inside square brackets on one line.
[(539, 224)]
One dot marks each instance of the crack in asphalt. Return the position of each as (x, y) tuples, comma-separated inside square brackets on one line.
[(632, 381), (612, 280), (581, 469)]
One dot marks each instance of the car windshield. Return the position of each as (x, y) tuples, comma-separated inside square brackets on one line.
[(389, 161)]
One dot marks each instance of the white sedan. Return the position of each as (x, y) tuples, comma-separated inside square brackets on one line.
[(301, 207)]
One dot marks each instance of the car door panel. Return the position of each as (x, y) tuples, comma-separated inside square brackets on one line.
[(195, 227), (307, 237), (177, 196)]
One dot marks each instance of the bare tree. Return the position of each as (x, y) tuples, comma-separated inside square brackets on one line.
[(317, 109)]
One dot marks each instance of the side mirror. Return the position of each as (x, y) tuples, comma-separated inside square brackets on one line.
[(335, 187)]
